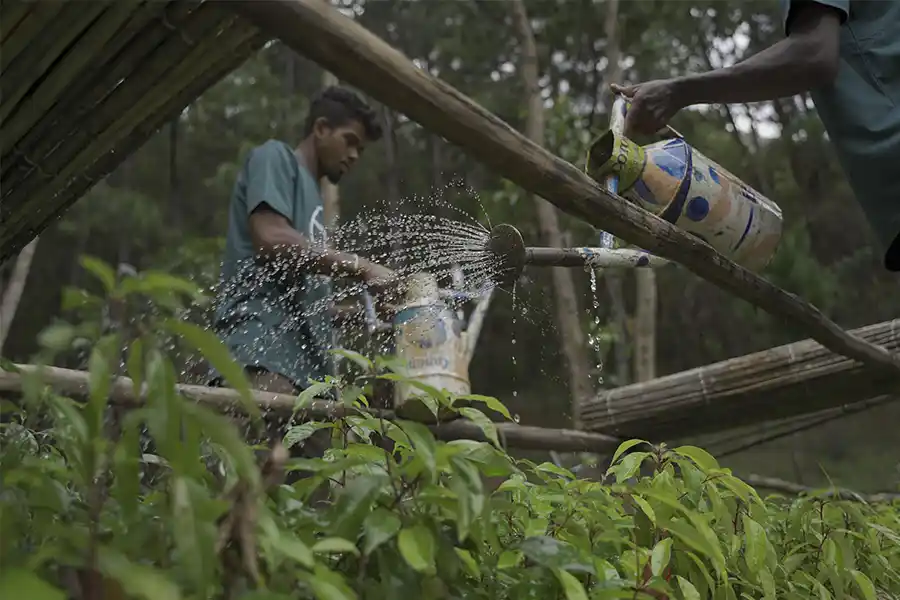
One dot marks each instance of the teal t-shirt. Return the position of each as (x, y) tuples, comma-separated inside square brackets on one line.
[(266, 320), (861, 111)]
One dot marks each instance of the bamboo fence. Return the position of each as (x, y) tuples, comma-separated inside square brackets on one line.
[(785, 381), (76, 384)]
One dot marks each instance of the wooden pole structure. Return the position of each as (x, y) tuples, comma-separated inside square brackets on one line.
[(359, 57), (76, 384), (785, 381), (795, 489)]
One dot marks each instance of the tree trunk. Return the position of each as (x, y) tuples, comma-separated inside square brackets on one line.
[(13, 292), (568, 319), (645, 325)]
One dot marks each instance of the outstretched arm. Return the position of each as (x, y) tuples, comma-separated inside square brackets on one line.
[(806, 59), (277, 241)]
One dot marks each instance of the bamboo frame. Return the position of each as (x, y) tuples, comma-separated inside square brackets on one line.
[(785, 381), (43, 50), (237, 43), (76, 383), (129, 102), (795, 489), (68, 70)]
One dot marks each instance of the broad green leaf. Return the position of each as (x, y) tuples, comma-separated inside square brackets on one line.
[(468, 561), (421, 439), (866, 587), (212, 348), (137, 579), (659, 558), (768, 583), (755, 539), (57, 337), (571, 586), (21, 583), (687, 589), (361, 361), (155, 282), (313, 390), (329, 585), (380, 526), (629, 466), (354, 503), (492, 403), (300, 433), (703, 458), (509, 558), (553, 553), (101, 271), (646, 508), (417, 546), (624, 447), (335, 545), (293, 548), (484, 424)]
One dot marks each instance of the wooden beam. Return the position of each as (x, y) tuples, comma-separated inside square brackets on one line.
[(795, 489), (360, 58), (75, 384), (785, 381)]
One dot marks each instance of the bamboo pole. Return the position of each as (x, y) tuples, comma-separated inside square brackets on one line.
[(44, 49), (11, 14), (109, 127), (359, 57), (32, 23), (785, 381), (69, 69), (76, 384), (125, 105), (140, 133), (795, 489), (115, 61)]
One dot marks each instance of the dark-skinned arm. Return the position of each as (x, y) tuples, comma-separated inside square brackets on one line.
[(276, 241), (806, 59)]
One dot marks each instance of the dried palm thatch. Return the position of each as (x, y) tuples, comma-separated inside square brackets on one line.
[(84, 84)]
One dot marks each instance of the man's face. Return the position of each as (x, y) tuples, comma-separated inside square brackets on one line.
[(338, 148)]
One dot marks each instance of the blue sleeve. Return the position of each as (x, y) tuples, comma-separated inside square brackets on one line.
[(271, 171), (789, 9)]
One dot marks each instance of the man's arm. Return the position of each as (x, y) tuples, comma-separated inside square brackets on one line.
[(275, 239), (270, 186), (806, 59)]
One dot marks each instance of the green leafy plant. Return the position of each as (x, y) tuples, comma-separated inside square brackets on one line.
[(163, 498)]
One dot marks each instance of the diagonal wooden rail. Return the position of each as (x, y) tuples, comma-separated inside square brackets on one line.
[(357, 56)]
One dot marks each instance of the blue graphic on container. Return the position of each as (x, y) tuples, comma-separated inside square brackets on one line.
[(697, 208), (433, 331)]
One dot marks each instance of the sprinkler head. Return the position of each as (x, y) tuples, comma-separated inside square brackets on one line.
[(507, 245)]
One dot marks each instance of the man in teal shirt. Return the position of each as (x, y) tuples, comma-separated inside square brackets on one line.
[(846, 53), (273, 308)]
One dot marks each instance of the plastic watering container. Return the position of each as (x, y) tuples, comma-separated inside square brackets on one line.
[(674, 181), (431, 346)]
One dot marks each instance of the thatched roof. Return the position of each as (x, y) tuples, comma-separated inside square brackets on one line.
[(84, 84)]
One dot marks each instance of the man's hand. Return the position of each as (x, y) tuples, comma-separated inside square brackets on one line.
[(382, 282), (653, 104)]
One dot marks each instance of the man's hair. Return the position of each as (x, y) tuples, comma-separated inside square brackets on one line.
[(339, 106)]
